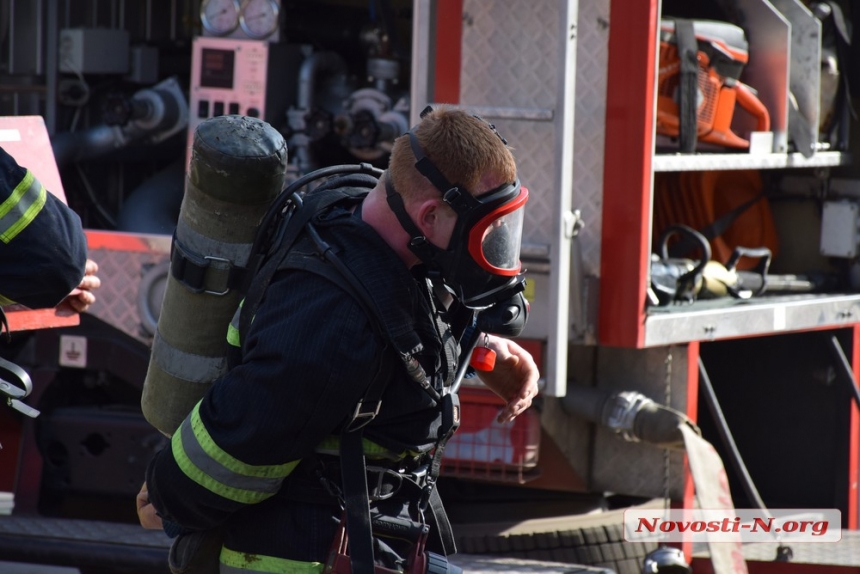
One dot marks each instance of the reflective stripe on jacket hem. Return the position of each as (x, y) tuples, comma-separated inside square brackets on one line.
[(331, 445), (233, 562)]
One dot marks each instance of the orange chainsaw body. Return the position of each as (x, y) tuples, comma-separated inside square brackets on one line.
[(718, 93)]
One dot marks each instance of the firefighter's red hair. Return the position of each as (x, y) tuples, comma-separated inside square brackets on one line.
[(464, 148)]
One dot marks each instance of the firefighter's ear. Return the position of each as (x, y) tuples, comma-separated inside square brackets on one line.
[(436, 220)]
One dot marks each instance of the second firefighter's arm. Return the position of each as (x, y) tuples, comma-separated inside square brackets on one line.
[(43, 248), (306, 363)]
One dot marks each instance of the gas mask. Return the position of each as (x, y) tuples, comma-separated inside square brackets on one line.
[(481, 265)]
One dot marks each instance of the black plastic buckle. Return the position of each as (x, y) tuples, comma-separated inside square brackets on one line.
[(189, 269)]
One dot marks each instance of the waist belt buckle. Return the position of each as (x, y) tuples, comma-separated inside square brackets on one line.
[(362, 416)]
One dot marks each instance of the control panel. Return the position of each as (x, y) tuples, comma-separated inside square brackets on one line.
[(231, 76), (228, 77)]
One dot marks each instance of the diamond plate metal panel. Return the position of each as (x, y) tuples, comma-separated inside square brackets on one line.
[(517, 64), (638, 469), (510, 50), (846, 552), (534, 152), (123, 272), (510, 59), (589, 126)]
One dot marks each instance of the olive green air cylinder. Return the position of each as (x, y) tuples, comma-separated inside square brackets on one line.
[(236, 170)]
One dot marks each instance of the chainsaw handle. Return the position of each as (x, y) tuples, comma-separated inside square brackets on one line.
[(747, 100)]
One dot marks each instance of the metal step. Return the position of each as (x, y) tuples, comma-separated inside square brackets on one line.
[(846, 552), (115, 547), (476, 564)]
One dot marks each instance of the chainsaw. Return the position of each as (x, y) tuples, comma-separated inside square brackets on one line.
[(698, 84)]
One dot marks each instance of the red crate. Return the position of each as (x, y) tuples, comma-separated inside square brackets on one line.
[(484, 448)]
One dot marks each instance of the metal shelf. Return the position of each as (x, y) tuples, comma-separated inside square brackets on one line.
[(731, 161), (708, 321)]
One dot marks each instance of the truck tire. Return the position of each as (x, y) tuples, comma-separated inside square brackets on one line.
[(602, 546)]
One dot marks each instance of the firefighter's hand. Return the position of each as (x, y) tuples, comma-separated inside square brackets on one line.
[(514, 378), (80, 299), (146, 511)]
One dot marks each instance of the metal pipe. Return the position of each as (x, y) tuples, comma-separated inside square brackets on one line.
[(39, 31), (165, 112), (5, 21), (51, 66), (628, 413), (173, 17), (11, 62), (148, 20), (70, 147), (311, 68), (845, 367), (585, 402), (153, 207), (727, 438)]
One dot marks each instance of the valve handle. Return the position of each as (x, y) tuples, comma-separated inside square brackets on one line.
[(483, 359)]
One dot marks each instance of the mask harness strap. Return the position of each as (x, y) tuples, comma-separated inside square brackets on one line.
[(427, 168), (418, 243), (459, 200)]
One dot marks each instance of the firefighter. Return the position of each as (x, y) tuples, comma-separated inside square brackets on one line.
[(43, 249), (258, 456)]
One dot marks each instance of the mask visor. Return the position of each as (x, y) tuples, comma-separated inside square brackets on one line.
[(494, 242)]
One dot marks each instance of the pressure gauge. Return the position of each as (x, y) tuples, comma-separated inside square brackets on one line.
[(259, 18), (219, 17)]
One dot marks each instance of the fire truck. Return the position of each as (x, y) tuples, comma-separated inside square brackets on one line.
[(691, 249)]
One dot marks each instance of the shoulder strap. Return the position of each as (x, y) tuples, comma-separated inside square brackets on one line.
[(316, 265), (288, 232), (688, 52)]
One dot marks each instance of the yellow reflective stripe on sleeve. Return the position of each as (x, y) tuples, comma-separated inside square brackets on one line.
[(21, 207), (204, 462), (5, 301), (233, 562)]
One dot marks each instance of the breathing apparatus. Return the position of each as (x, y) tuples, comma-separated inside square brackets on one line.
[(293, 213), (481, 264)]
